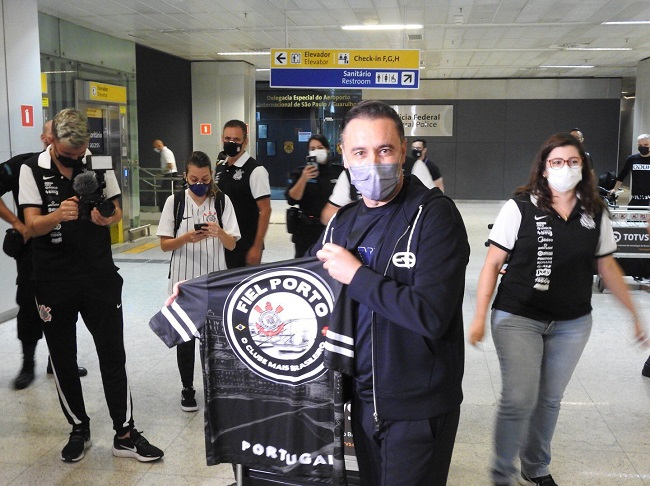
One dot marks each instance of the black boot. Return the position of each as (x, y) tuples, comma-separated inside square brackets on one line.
[(82, 371), (646, 368), (26, 375)]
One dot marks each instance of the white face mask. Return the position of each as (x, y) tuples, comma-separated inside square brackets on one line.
[(564, 179), (320, 154)]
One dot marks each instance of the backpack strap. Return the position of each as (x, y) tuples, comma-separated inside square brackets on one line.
[(219, 203), (179, 209)]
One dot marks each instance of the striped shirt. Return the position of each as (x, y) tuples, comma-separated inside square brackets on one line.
[(195, 259)]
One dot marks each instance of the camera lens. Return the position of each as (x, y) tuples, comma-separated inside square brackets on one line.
[(106, 208)]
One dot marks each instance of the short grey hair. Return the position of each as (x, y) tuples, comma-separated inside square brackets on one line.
[(70, 127)]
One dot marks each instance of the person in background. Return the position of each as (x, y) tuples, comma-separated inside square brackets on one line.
[(246, 183), (639, 166), (577, 133), (309, 188), (167, 159), (195, 251), (74, 276), (401, 253), (550, 233), (28, 322), (168, 166), (419, 152)]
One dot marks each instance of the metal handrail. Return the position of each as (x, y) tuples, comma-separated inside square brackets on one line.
[(151, 176)]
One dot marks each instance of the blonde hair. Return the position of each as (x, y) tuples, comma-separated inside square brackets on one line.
[(70, 127)]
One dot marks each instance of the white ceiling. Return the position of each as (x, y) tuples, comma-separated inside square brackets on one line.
[(461, 38)]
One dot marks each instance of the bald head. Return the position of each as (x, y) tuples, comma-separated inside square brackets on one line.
[(46, 136)]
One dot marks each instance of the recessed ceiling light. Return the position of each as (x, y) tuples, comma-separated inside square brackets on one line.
[(597, 48), (568, 66), (383, 27), (245, 53), (628, 22)]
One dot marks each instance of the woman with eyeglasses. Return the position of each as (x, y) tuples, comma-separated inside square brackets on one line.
[(550, 233)]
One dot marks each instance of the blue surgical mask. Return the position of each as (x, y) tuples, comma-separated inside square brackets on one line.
[(375, 181), (199, 189)]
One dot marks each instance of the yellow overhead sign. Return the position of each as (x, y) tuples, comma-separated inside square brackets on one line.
[(345, 58), (106, 92)]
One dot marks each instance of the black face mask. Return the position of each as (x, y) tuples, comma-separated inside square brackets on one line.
[(232, 148), (68, 161), (416, 153), (643, 150)]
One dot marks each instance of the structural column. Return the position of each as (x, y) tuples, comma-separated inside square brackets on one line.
[(641, 102), (222, 91), (21, 114)]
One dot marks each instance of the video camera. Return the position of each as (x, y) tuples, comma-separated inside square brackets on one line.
[(90, 185)]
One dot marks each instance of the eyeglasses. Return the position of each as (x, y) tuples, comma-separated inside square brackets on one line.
[(573, 162)]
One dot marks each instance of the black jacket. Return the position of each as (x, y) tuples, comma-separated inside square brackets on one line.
[(415, 291)]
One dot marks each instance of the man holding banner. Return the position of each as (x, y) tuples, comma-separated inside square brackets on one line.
[(401, 254)]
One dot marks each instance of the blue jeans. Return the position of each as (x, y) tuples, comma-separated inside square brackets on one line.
[(537, 360)]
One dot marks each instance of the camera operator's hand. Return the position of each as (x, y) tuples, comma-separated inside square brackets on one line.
[(97, 218), (69, 209)]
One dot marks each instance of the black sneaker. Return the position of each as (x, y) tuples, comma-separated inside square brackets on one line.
[(24, 379), (77, 444), (136, 446), (188, 402), (539, 481)]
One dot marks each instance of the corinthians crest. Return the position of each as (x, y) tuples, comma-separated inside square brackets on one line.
[(273, 321)]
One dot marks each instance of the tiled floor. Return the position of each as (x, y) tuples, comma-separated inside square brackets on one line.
[(603, 436)]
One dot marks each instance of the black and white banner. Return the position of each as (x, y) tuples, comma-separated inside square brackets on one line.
[(269, 400)]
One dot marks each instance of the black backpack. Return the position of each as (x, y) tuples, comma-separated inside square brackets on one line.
[(179, 209)]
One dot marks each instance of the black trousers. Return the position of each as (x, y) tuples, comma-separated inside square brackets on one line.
[(403, 453), (100, 305), (28, 322)]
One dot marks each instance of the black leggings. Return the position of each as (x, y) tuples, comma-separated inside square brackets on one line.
[(185, 357)]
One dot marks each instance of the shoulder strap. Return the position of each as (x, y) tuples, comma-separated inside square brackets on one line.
[(179, 209), (219, 203)]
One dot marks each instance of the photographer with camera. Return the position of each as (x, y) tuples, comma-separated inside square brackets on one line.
[(309, 188), (74, 275)]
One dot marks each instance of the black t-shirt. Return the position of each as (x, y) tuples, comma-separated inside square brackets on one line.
[(369, 228), (317, 191), (72, 250), (433, 169), (640, 183)]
